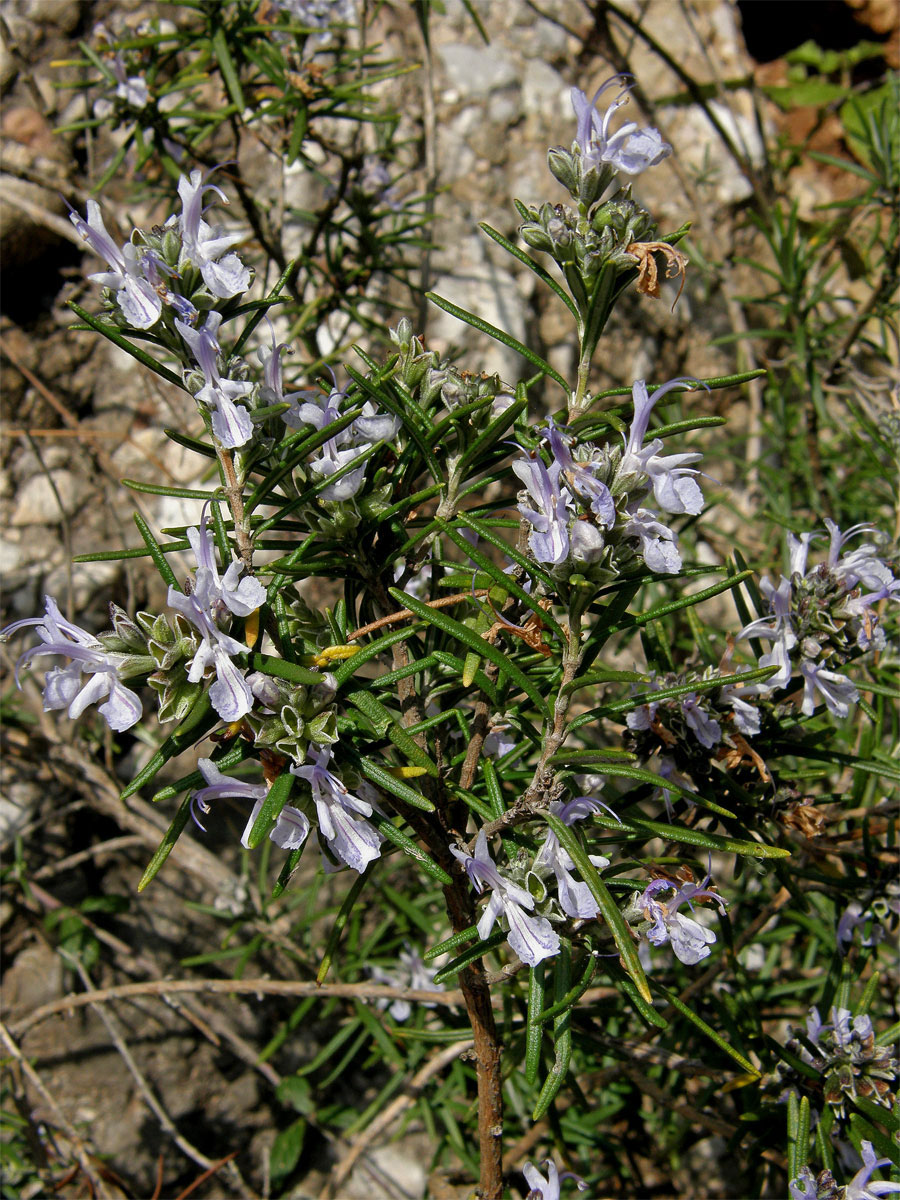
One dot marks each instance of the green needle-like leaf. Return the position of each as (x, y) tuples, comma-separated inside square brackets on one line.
[(609, 910), (468, 637), (278, 796), (498, 335)]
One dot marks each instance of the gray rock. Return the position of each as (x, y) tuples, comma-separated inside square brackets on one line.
[(47, 497), (476, 70)]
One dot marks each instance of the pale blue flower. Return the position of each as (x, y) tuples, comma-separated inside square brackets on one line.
[(548, 1189), (659, 545), (313, 407), (63, 687), (705, 728), (291, 827), (860, 566), (341, 815), (575, 896), (532, 938), (580, 476), (744, 714), (836, 690), (205, 247), (136, 296), (778, 627), (211, 599), (804, 1186), (412, 972), (130, 88), (689, 939), (671, 479), (860, 1186), (231, 422), (345, 447), (630, 150), (549, 538)]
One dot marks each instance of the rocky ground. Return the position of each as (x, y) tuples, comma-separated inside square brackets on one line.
[(149, 1096)]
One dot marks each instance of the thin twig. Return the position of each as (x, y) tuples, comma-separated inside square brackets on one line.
[(237, 987), (207, 1174), (79, 1149), (392, 1113), (73, 860), (405, 613), (147, 1093)]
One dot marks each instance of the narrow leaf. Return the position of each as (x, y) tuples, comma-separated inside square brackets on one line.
[(278, 796), (170, 837), (498, 335), (195, 726), (384, 779), (159, 559), (468, 637), (113, 335), (608, 908), (391, 833)]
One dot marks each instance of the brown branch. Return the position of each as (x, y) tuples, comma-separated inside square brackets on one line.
[(147, 1093), (95, 851), (405, 613), (237, 987), (234, 493), (210, 1023), (480, 725), (208, 1174)]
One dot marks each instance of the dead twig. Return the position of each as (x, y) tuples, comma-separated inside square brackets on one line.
[(405, 613), (148, 1094), (79, 1148), (392, 1113), (208, 1174), (237, 987)]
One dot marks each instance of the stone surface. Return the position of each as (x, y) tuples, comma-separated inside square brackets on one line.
[(59, 492)]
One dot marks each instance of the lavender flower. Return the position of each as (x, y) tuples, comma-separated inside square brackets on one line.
[(204, 247), (575, 897), (705, 728), (674, 489), (137, 298), (860, 1187), (333, 460), (690, 940), (532, 938), (821, 614), (804, 1186), (581, 476), (353, 840), (311, 407), (348, 445), (291, 827), (549, 539), (231, 423), (659, 545), (836, 690), (63, 687), (130, 88), (744, 714), (860, 566), (412, 973), (548, 1189), (778, 628), (210, 599), (630, 150)]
